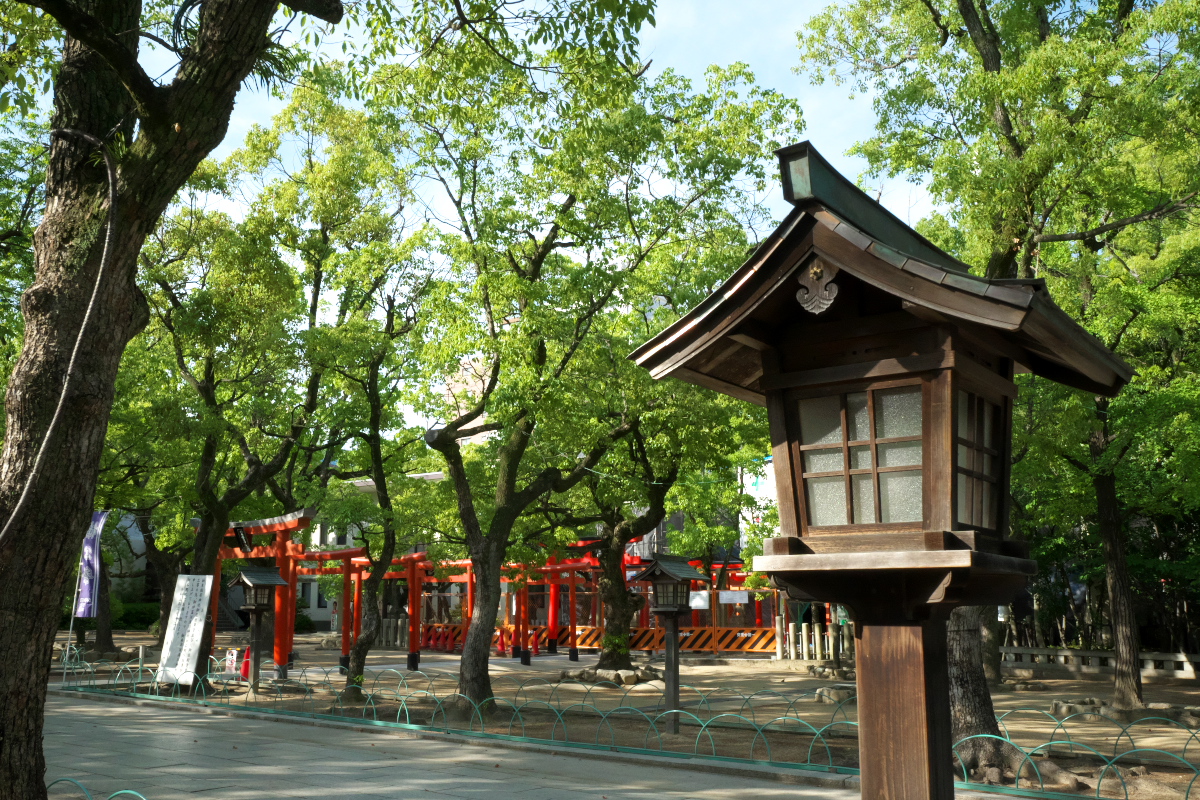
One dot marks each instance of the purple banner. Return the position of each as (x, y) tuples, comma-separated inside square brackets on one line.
[(89, 567)]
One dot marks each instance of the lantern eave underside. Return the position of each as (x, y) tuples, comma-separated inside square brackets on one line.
[(718, 344)]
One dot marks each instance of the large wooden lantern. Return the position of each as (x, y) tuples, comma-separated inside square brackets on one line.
[(886, 369)]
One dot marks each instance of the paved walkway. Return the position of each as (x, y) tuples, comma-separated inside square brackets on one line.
[(167, 754)]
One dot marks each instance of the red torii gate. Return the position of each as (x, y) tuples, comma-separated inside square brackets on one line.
[(417, 566), (284, 551), (413, 564), (348, 571), (287, 553)]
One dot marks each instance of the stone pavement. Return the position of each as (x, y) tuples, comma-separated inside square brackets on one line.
[(168, 754)]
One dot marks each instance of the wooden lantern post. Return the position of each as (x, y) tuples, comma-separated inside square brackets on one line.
[(671, 579), (259, 585), (886, 368)]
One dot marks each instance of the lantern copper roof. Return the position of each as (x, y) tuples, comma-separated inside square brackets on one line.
[(259, 576), (674, 567), (715, 344)]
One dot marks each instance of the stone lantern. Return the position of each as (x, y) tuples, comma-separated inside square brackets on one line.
[(887, 372)]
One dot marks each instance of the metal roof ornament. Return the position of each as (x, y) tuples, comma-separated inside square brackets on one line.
[(817, 290)]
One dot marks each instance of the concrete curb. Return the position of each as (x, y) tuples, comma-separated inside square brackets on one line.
[(692, 764)]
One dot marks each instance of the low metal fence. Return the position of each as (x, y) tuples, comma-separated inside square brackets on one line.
[(812, 729)]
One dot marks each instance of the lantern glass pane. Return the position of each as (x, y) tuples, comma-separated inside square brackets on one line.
[(826, 500), (858, 418), (900, 496), (963, 504), (863, 490), (900, 454), (821, 420), (823, 460), (860, 457), (966, 457), (989, 506), (898, 412)]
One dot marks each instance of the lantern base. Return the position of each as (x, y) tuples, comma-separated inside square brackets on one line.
[(900, 602), (903, 711)]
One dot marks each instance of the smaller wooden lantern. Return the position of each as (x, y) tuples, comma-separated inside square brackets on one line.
[(671, 579), (258, 584), (886, 369)]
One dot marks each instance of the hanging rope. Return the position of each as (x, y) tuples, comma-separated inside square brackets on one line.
[(87, 317)]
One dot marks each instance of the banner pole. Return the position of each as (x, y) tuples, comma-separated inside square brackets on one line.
[(71, 627)]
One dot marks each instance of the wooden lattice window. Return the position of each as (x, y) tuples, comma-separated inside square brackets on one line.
[(977, 463), (861, 456)]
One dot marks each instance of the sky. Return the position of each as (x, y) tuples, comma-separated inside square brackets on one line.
[(690, 35)]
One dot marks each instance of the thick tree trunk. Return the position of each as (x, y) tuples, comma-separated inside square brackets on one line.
[(166, 580), (991, 635), (1127, 682), (368, 635), (620, 604), (42, 543), (474, 681), (180, 128), (971, 710), (209, 536), (104, 640)]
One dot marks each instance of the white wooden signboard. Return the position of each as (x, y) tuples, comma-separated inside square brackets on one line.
[(181, 646)]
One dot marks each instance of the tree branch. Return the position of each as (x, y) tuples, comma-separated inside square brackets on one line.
[(83, 27), (1158, 212), (330, 11)]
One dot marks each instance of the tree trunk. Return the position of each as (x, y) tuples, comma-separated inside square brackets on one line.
[(620, 604), (207, 547), (178, 127), (366, 640), (971, 711), (1127, 682), (474, 681), (104, 640), (166, 580), (991, 633), (38, 551)]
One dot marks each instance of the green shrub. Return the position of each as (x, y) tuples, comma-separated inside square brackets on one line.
[(136, 617), (304, 623)]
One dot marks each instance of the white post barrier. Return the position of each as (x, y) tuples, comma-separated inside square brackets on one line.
[(779, 637), (792, 641), (806, 640)]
